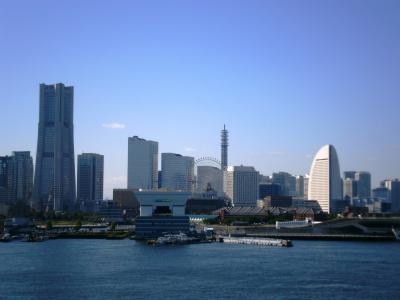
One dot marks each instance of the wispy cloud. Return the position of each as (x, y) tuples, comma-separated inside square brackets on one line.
[(190, 149), (113, 125)]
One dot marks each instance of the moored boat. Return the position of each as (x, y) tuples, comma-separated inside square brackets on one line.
[(396, 234)]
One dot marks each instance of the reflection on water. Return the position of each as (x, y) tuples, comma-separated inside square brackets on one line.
[(104, 269)]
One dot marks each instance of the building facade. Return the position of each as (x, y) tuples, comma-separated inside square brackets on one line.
[(209, 177), (177, 172), (90, 179), (349, 189), (269, 189), (160, 213), (306, 180), (325, 184), (54, 184), (142, 164), (393, 186), (287, 183), (5, 179), (363, 184), (16, 177), (241, 185), (300, 186)]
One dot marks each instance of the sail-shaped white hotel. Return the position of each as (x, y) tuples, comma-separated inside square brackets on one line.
[(325, 185)]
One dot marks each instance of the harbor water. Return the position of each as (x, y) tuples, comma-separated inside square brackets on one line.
[(125, 269)]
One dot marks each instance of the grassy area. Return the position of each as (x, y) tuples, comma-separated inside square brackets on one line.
[(65, 222), (93, 235)]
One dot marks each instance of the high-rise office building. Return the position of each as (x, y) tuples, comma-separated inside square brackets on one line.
[(90, 179), (16, 177), (349, 189), (241, 185), (177, 172), (300, 186), (394, 193), (349, 175), (381, 193), (268, 189), (325, 184), (224, 148), (5, 179), (363, 184), (209, 177), (306, 180), (22, 175), (142, 164), (54, 185), (287, 183)]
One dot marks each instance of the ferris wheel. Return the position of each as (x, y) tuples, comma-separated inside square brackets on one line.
[(207, 161)]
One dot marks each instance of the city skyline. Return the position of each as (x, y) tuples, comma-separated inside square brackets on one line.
[(108, 190), (282, 85)]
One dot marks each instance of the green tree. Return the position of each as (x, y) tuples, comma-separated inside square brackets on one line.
[(78, 225), (113, 226), (49, 225)]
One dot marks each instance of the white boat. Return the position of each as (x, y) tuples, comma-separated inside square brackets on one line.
[(6, 237), (256, 241), (396, 234), (174, 239), (294, 224)]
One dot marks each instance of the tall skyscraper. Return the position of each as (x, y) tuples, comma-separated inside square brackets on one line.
[(349, 189), (325, 184), (177, 172), (90, 179), (16, 177), (142, 164), (269, 189), (349, 174), (306, 180), (363, 184), (22, 175), (394, 193), (224, 148), (287, 183), (5, 179), (241, 185), (54, 185), (300, 186)]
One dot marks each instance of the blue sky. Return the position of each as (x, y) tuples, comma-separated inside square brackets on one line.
[(285, 76)]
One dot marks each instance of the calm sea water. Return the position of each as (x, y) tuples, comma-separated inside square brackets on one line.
[(103, 269)]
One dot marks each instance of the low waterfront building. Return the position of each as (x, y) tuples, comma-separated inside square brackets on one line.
[(126, 200), (110, 212), (201, 206), (160, 213), (300, 213), (278, 201)]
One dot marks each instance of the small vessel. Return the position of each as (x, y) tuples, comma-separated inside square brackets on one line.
[(35, 238), (6, 237), (173, 239), (396, 234), (295, 224), (256, 241)]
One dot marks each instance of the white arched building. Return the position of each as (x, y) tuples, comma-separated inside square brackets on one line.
[(325, 184)]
